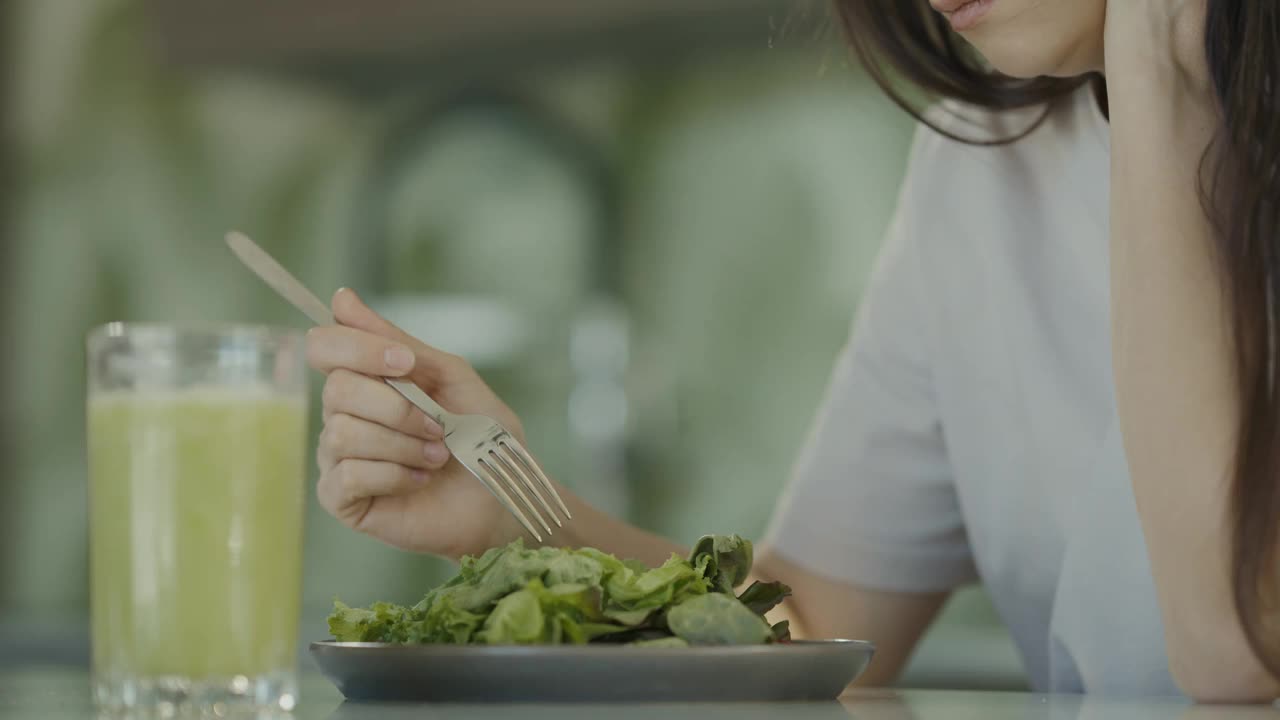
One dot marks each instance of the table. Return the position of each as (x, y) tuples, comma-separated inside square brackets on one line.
[(59, 693)]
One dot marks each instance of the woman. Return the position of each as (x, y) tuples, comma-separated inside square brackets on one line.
[(1103, 455)]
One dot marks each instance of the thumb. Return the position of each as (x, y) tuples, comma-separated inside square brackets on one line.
[(350, 310)]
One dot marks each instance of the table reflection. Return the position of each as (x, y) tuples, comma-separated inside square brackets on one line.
[(740, 711)]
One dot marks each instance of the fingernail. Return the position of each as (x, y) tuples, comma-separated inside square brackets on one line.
[(399, 358), (419, 476), (435, 452)]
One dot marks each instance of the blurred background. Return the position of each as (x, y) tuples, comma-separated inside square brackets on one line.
[(648, 222)]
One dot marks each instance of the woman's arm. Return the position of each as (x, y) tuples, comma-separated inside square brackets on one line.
[(379, 477), (1171, 343), (818, 607), (821, 607)]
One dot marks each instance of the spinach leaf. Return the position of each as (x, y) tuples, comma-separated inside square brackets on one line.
[(717, 619), (762, 597), (782, 631)]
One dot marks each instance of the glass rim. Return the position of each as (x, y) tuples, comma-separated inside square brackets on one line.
[(174, 330)]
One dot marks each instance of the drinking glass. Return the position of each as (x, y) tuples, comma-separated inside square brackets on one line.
[(197, 445)]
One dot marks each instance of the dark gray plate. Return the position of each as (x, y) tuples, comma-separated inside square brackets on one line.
[(799, 671)]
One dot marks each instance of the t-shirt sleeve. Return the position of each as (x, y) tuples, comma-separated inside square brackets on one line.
[(871, 501)]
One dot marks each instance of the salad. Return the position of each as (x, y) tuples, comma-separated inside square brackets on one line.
[(515, 595)]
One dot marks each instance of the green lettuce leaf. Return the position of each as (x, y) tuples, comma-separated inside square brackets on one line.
[(380, 623), (517, 619), (724, 559)]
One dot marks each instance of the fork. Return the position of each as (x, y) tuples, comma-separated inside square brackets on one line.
[(481, 444)]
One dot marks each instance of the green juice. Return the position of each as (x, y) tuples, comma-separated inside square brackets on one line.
[(196, 507)]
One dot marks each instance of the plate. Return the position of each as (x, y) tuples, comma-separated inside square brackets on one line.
[(784, 672)]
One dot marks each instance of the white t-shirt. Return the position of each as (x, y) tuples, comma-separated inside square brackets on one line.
[(970, 428)]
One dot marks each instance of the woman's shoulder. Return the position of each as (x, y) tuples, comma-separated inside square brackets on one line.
[(953, 121), (970, 149)]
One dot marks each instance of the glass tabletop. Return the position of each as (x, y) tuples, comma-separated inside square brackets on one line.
[(62, 693)]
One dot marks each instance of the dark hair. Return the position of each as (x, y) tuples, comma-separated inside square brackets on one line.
[(1240, 190)]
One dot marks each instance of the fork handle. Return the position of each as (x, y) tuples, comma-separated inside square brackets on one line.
[(423, 401), (292, 290)]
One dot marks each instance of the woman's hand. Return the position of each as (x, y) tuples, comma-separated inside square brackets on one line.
[(1159, 39), (384, 468)]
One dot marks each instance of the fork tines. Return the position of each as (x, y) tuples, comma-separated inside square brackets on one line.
[(511, 470)]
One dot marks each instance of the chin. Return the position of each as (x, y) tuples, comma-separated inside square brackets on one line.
[(1016, 57), (1026, 38)]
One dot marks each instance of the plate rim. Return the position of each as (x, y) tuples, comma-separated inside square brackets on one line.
[(591, 648)]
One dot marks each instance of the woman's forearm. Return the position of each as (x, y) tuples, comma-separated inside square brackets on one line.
[(1173, 369), (590, 527)]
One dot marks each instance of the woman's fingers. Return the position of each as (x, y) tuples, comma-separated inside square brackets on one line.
[(346, 437), (350, 393), (333, 346), (350, 310), (433, 366), (351, 482)]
